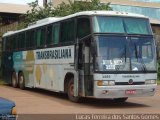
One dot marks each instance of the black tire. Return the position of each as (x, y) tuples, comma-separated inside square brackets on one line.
[(14, 80), (21, 81), (70, 92), (120, 99)]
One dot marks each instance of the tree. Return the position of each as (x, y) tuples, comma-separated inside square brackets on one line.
[(63, 9)]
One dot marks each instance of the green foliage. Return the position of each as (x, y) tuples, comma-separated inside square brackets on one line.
[(158, 82), (2, 82), (158, 62), (63, 9)]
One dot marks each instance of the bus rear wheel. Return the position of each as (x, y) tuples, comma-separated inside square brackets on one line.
[(120, 99), (70, 92), (14, 80), (21, 81)]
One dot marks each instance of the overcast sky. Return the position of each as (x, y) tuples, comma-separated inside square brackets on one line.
[(19, 1)]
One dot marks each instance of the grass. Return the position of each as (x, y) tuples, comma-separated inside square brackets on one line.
[(158, 82), (2, 82)]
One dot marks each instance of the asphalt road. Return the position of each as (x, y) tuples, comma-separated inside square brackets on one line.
[(36, 101)]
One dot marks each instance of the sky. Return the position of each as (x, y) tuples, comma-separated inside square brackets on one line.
[(20, 1)]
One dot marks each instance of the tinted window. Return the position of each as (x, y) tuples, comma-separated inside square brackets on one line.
[(67, 31), (7, 44), (55, 33), (4, 43), (49, 35), (15, 39), (83, 29), (30, 39), (105, 24), (12, 42), (21, 40), (41, 37)]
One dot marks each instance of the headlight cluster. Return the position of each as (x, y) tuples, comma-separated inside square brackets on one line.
[(105, 82), (150, 81)]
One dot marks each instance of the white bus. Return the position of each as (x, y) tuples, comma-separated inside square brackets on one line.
[(99, 54)]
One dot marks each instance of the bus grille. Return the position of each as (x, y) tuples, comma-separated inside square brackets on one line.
[(126, 83)]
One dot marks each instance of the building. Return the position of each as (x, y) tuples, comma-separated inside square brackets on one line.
[(9, 14), (9, 17), (150, 8)]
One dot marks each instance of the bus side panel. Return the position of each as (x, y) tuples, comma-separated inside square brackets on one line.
[(55, 76), (49, 76), (51, 66), (45, 68), (7, 66), (24, 62)]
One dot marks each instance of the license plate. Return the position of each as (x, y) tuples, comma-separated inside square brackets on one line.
[(131, 92)]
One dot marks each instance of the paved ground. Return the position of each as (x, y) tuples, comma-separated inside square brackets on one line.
[(35, 101)]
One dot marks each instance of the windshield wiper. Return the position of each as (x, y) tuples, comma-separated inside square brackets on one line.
[(141, 60), (121, 58), (143, 64)]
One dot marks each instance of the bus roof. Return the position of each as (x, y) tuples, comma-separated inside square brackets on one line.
[(84, 13)]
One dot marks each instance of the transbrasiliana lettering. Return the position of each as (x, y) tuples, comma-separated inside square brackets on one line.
[(54, 54)]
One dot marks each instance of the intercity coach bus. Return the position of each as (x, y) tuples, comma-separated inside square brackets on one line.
[(98, 54)]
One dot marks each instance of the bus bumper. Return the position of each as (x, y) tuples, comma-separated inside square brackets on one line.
[(120, 91)]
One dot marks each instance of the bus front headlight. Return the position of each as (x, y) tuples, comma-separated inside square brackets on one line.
[(150, 81), (105, 82), (111, 82)]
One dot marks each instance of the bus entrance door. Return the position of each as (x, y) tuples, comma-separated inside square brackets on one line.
[(86, 79)]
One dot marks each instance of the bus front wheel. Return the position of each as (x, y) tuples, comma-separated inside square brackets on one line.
[(21, 81), (14, 80), (70, 92)]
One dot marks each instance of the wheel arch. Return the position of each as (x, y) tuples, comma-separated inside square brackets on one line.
[(14, 78), (21, 85), (67, 78), (14, 71), (20, 71)]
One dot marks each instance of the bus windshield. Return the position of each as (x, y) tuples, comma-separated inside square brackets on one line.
[(121, 53), (127, 25)]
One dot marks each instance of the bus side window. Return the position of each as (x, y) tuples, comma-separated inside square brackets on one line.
[(5, 41), (12, 42), (3, 44), (49, 35), (55, 33), (27, 39), (83, 27), (7, 44), (18, 41), (30, 39), (38, 38), (21, 39), (41, 37), (67, 31)]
